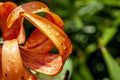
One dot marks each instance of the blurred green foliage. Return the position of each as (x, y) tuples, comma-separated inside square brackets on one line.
[(93, 27)]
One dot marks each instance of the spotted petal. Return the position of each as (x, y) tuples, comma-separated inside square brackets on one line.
[(17, 30), (11, 61), (30, 6), (12, 67), (49, 64), (57, 36), (39, 42)]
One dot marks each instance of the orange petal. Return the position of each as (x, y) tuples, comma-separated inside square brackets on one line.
[(49, 64), (39, 43), (5, 9), (58, 37), (54, 18), (53, 32), (30, 6), (21, 37), (28, 75), (1, 78), (16, 31), (11, 61)]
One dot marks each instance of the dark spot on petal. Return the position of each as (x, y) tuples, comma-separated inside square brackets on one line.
[(62, 44), (69, 46), (6, 75), (22, 78), (66, 49), (65, 53)]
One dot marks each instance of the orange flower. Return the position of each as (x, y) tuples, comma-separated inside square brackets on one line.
[(17, 60)]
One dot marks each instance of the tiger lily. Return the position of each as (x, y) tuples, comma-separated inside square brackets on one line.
[(34, 54)]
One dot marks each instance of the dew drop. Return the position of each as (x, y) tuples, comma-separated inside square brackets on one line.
[(13, 14), (49, 32), (63, 39), (10, 57), (8, 68), (57, 34), (64, 47), (49, 26)]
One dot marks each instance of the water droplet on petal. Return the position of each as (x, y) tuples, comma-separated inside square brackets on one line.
[(49, 32), (8, 68), (63, 39), (13, 14), (49, 26), (57, 34), (64, 47), (10, 57)]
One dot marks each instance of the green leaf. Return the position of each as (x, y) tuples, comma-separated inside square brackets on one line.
[(90, 48), (90, 8), (109, 32), (73, 25), (115, 3), (112, 65), (107, 35), (85, 72), (81, 70)]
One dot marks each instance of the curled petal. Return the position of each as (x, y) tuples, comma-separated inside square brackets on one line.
[(58, 37), (54, 18), (5, 9), (49, 64), (35, 7), (16, 31), (30, 6), (37, 42), (11, 61), (55, 34), (21, 37)]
